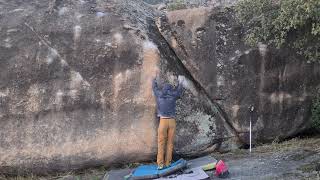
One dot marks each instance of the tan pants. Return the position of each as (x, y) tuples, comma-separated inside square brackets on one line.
[(166, 134)]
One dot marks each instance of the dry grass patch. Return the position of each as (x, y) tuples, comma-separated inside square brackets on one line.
[(296, 143)]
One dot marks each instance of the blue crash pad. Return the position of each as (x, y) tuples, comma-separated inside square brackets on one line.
[(151, 171)]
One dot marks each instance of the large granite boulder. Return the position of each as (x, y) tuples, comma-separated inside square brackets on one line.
[(75, 87), (273, 88)]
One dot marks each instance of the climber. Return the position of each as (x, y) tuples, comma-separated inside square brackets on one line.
[(166, 106)]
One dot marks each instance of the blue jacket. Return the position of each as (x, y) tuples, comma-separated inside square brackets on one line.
[(166, 99)]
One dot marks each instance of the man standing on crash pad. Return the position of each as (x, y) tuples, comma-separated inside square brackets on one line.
[(166, 108)]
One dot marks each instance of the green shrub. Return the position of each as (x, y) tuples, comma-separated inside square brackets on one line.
[(316, 113), (283, 23), (176, 5)]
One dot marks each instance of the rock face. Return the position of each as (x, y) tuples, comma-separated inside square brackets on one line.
[(75, 87), (195, 49), (272, 87), (75, 83)]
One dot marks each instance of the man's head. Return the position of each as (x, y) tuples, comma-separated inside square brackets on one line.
[(172, 79)]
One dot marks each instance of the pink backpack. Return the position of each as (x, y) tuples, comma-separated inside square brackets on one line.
[(221, 169)]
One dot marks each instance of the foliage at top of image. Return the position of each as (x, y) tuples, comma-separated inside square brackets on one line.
[(283, 23), (176, 5), (315, 113)]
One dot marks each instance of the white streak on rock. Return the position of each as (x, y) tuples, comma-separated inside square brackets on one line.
[(58, 98), (128, 74), (235, 110), (59, 93), (73, 94), (78, 16), (12, 30), (279, 97), (49, 60), (63, 11), (77, 32), (118, 38), (108, 44), (76, 80), (82, 2), (149, 45), (7, 43), (100, 14), (4, 93), (77, 83), (220, 81), (64, 63), (52, 55), (16, 10), (117, 82), (34, 98)]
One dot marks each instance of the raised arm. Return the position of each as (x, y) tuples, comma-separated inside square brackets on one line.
[(179, 89), (155, 87)]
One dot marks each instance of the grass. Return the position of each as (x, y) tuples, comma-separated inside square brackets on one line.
[(307, 144), (307, 168), (177, 5), (296, 143), (132, 165)]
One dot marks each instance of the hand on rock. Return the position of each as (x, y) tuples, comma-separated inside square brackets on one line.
[(181, 79)]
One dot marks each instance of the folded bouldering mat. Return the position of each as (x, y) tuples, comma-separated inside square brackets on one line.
[(190, 174), (205, 163), (117, 174), (151, 171)]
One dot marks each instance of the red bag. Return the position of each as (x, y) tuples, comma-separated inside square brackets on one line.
[(221, 169)]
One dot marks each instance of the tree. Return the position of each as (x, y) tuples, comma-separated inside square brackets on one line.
[(283, 23)]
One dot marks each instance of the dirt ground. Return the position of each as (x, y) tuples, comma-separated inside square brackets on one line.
[(289, 160), (293, 159)]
